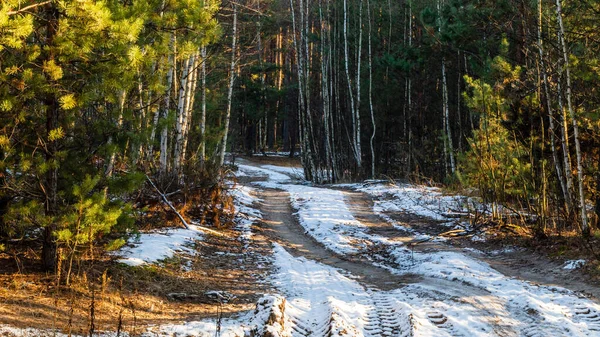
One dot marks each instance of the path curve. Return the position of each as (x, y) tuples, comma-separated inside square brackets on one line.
[(280, 225)]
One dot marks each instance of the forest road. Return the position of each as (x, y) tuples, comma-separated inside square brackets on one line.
[(280, 225), (434, 289), (517, 263)]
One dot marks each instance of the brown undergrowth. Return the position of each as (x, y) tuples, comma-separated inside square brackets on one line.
[(104, 295)]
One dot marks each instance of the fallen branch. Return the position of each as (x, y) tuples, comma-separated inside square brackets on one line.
[(185, 224), (208, 230), (166, 201), (456, 232)]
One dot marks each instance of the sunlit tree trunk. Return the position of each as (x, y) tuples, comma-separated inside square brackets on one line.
[(164, 137), (448, 148), (353, 105), (230, 89), (190, 102), (181, 115), (306, 157), (557, 164), (563, 45), (371, 95), (203, 109), (111, 161)]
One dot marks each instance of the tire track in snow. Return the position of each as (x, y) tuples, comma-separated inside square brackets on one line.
[(322, 302), (389, 319), (588, 315), (458, 310), (549, 311)]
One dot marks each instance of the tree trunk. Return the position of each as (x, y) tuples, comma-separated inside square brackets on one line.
[(584, 222), (164, 136), (49, 248), (353, 108), (203, 110), (111, 161), (230, 89), (448, 148), (190, 103), (557, 164), (371, 95), (181, 115)]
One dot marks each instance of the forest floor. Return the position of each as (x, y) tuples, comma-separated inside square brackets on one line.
[(344, 260)]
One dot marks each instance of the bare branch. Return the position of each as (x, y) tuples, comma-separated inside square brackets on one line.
[(26, 8)]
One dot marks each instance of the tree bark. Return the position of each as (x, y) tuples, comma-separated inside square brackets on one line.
[(49, 247), (230, 89), (544, 73), (203, 110), (584, 221), (164, 136), (371, 95)]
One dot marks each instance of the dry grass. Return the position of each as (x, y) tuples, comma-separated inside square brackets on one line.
[(132, 298)]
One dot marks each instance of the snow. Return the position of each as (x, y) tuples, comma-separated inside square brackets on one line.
[(158, 245), (325, 216), (318, 296), (321, 211), (574, 264), (229, 327), (244, 198), (273, 176), (295, 172), (458, 295), (529, 309), (422, 201), (315, 293)]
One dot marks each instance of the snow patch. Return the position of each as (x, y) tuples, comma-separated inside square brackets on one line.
[(422, 201), (325, 216), (158, 245), (258, 171), (574, 264), (244, 199)]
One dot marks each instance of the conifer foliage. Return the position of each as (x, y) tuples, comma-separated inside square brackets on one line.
[(97, 95), (89, 90)]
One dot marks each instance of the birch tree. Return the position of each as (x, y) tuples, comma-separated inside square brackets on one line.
[(557, 165), (374, 125), (203, 109), (565, 55), (230, 87)]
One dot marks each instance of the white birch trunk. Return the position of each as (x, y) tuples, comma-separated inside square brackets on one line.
[(371, 95), (448, 148), (584, 222), (230, 89), (190, 102), (164, 137), (557, 164), (181, 116), (305, 157), (358, 71), (203, 110), (355, 142), (111, 162)]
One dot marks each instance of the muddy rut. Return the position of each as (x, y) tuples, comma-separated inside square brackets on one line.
[(519, 264), (280, 225)]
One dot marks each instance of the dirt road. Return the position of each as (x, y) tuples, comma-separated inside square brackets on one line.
[(380, 289)]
